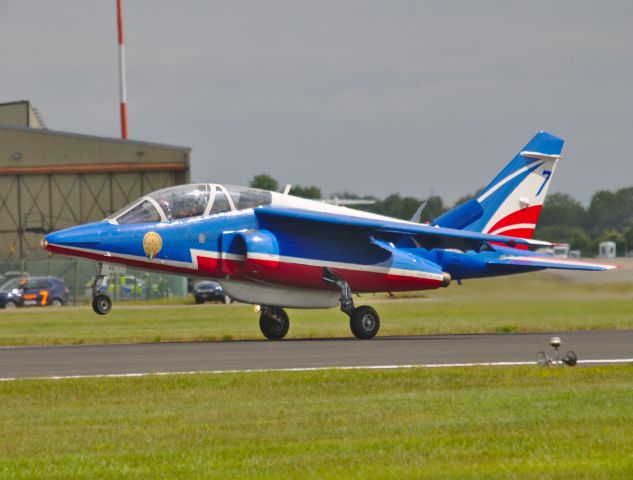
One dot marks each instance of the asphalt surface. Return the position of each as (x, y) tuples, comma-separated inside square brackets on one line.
[(18, 362)]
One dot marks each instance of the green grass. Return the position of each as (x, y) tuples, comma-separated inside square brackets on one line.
[(528, 303), (523, 422)]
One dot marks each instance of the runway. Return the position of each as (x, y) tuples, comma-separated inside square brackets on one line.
[(129, 359)]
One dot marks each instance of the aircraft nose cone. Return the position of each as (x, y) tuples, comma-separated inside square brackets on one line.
[(50, 240), (56, 238), (83, 236)]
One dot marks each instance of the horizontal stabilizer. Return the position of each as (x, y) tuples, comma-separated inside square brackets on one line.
[(540, 156), (531, 262)]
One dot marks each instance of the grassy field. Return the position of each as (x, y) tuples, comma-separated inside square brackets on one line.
[(535, 302), (522, 422)]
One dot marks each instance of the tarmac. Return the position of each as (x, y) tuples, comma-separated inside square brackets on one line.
[(256, 355)]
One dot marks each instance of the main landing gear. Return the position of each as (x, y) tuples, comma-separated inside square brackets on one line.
[(274, 322), (363, 321), (101, 303)]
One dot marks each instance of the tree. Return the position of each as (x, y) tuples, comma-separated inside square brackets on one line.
[(396, 206), (434, 208), (312, 191), (467, 197), (610, 210), (562, 209), (576, 237), (628, 238), (265, 182)]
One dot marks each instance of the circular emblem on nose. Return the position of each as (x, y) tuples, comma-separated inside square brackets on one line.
[(152, 243)]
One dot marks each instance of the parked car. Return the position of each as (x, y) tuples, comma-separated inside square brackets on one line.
[(209, 291), (14, 274), (41, 291)]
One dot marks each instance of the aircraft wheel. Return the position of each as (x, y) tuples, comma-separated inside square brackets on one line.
[(364, 322), (274, 323), (56, 302), (101, 304)]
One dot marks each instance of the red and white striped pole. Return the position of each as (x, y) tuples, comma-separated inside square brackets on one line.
[(122, 95)]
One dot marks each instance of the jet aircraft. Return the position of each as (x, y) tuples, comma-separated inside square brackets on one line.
[(278, 251)]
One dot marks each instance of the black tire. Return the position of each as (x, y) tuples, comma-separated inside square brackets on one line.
[(101, 304), (274, 323), (364, 323), (10, 305), (56, 302)]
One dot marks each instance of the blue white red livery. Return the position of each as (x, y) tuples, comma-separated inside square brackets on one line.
[(275, 250)]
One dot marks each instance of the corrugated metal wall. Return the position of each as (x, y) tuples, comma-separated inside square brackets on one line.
[(50, 181)]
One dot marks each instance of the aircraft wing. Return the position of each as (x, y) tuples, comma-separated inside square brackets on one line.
[(426, 236), (531, 262)]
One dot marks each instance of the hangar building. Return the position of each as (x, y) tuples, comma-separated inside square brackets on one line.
[(51, 180)]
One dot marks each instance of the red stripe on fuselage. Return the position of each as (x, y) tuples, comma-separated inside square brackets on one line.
[(209, 265), (144, 264)]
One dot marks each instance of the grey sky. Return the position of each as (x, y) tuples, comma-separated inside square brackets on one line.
[(372, 97)]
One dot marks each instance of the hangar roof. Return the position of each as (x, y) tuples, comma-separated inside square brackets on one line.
[(31, 150)]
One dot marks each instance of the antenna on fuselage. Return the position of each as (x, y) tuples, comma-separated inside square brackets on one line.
[(418, 213)]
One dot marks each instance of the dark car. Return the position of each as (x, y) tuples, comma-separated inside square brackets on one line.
[(14, 274), (209, 291), (34, 291)]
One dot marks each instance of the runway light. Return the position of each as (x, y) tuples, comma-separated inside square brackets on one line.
[(257, 308), (570, 359)]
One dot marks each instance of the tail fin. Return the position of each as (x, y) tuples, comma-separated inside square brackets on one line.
[(511, 204)]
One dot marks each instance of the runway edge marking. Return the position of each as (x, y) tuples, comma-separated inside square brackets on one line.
[(307, 369)]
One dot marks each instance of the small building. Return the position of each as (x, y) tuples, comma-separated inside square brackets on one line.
[(561, 250), (607, 250)]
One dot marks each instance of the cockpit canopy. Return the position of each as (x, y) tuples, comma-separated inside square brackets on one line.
[(188, 201)]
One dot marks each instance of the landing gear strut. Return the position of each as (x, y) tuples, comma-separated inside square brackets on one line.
[(101, 303), (364, 321), (274, 322)]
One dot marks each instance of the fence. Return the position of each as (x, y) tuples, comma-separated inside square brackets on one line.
[(79, 274)]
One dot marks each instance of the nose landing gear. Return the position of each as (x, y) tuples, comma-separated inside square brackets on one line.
[(101, 303), (364, 321)]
